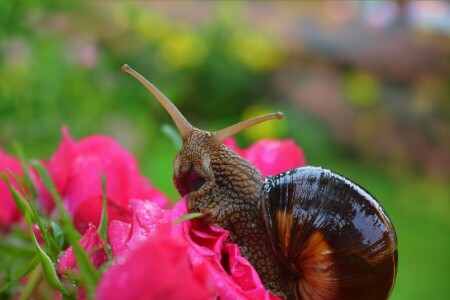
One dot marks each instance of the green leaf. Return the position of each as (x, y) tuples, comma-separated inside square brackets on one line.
[(58, 235), (88, 274), (26, 171), (12, 282), (14, 244), (46, 262), (21, 203), (188, 217), (32, 284), (56, 197), (173, 135), (50, 243), (103, 228), (24, 195)]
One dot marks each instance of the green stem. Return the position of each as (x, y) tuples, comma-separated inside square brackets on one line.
[(32, 284)]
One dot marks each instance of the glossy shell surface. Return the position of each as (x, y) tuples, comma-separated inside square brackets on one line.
[(331, 235)]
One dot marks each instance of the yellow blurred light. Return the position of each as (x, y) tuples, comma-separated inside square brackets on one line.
[(265, 130), (183, 50), (151, 26), (361, 89), (254, 50)]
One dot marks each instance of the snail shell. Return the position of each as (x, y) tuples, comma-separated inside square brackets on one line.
[(331, 235)]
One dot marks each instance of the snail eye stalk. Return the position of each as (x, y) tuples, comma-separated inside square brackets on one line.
[(221, 135), (184, 127)]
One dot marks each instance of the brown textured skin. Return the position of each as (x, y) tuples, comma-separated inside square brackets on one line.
[(231, 199)]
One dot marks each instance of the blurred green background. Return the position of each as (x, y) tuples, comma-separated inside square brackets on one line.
[(364, 87)]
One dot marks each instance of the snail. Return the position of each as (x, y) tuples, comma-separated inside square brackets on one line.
[(309, 233)]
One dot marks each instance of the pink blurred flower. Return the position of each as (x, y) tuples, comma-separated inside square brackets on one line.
[(9, 212), (230, 275), (76, 169), (92, 244), (271, 157)]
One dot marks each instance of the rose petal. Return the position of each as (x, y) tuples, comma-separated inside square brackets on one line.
[(87, 213), (271, 157), (230, 274), (9, 212), (147, 219), (210, 238), (76, 169), (92, 244), (157, 268), (119, 234), (232, 144), (243, 282)]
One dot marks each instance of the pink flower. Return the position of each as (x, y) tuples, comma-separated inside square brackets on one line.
[(92, 244), (147, 219), (8, 210), (156, 268), (233, 277), (230, 275), (76, 169), (271, 157)]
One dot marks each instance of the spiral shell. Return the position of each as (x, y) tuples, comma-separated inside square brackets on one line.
[(331, 235)]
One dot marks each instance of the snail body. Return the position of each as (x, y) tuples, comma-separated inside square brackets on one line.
[(309, 233)]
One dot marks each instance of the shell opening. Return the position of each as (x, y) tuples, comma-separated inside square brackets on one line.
[(221, 135), (184, 127)]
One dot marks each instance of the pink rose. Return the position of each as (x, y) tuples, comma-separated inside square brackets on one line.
[(76, 170), (156, 268), (147, 219), (92, 244), (8, 210), (271, 157), (230, 275)]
